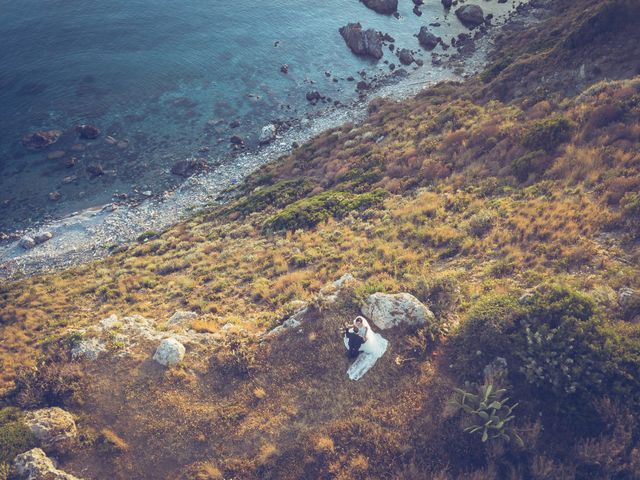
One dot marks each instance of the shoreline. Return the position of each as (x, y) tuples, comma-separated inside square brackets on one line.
[(87, 235)]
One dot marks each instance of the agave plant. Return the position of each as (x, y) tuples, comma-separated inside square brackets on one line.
[(492, 417)]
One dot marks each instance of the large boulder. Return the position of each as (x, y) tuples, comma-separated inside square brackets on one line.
[(88, 132), (387, 310), (186, 168), (35, 465), (382, 6), (169, 353), (470, 15), (366, 43), (41, 139), (267, 134), (54, 428), (427, 39), (405, 56)]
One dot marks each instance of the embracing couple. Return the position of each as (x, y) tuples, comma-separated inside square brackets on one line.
[(359, 338)]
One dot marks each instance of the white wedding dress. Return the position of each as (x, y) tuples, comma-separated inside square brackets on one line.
[(372, 350)]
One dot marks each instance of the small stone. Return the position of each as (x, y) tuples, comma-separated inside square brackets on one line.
[(181, 316), (169, 353), (56, 154), (267, 134), (54, 196), (35, 465)]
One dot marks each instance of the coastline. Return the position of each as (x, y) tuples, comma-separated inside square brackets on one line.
[(88, 235)]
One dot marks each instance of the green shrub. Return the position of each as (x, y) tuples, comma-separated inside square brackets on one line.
[(532, 162), (480, 223), (547, 134), (277, 195), (490, 415), (441, 292), (493, 70), (309, 212), (483, 335), (631, 211), (50, 384), (15, 436)]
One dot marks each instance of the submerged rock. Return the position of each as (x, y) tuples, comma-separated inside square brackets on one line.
[(387, 311), (382, 6), (41, 139), (405, 56), (88, 132), (35, 465), (447, 4), (54, 428), (42, 237), (427, 39), (366, 43), (169, 353), (470, 15)]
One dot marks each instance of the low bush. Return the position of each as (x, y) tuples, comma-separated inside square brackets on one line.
[(15, 436), (532, 162), (309, 212), (547, 134), (277, 195)]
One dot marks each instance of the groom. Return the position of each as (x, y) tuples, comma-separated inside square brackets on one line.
[(355, 341)]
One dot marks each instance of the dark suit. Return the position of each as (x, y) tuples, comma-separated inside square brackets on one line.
[(355, 342)]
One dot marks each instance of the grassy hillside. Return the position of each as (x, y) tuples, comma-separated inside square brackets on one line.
[(509, 204)]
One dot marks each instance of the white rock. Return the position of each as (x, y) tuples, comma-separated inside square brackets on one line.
[(387, 311), (170, 352), (267, 134), (35, 465), (329, 294), (54, 428), (89, 348), (181, 316), (293, 321), (110, 322)]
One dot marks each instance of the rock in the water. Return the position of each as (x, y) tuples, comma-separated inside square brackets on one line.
[(55, 155), (447, 4), (27, 242), (366, 43), (236, 140), (267, 134), (405, 56), (382, 6), (387, 311), (41, 139), (186, 168), (470, 15), (35, 465), (89, 349), (88, 132), (95, 170), (313, 96), (427, 39), (54, 428), (170, 352), (54, 196), (180, 317)]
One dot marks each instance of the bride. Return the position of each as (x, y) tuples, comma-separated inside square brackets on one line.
[(373, 348)]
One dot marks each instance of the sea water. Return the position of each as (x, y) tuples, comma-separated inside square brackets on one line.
[(166, 80)]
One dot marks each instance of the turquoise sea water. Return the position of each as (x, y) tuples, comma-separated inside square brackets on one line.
[(165, 79)]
